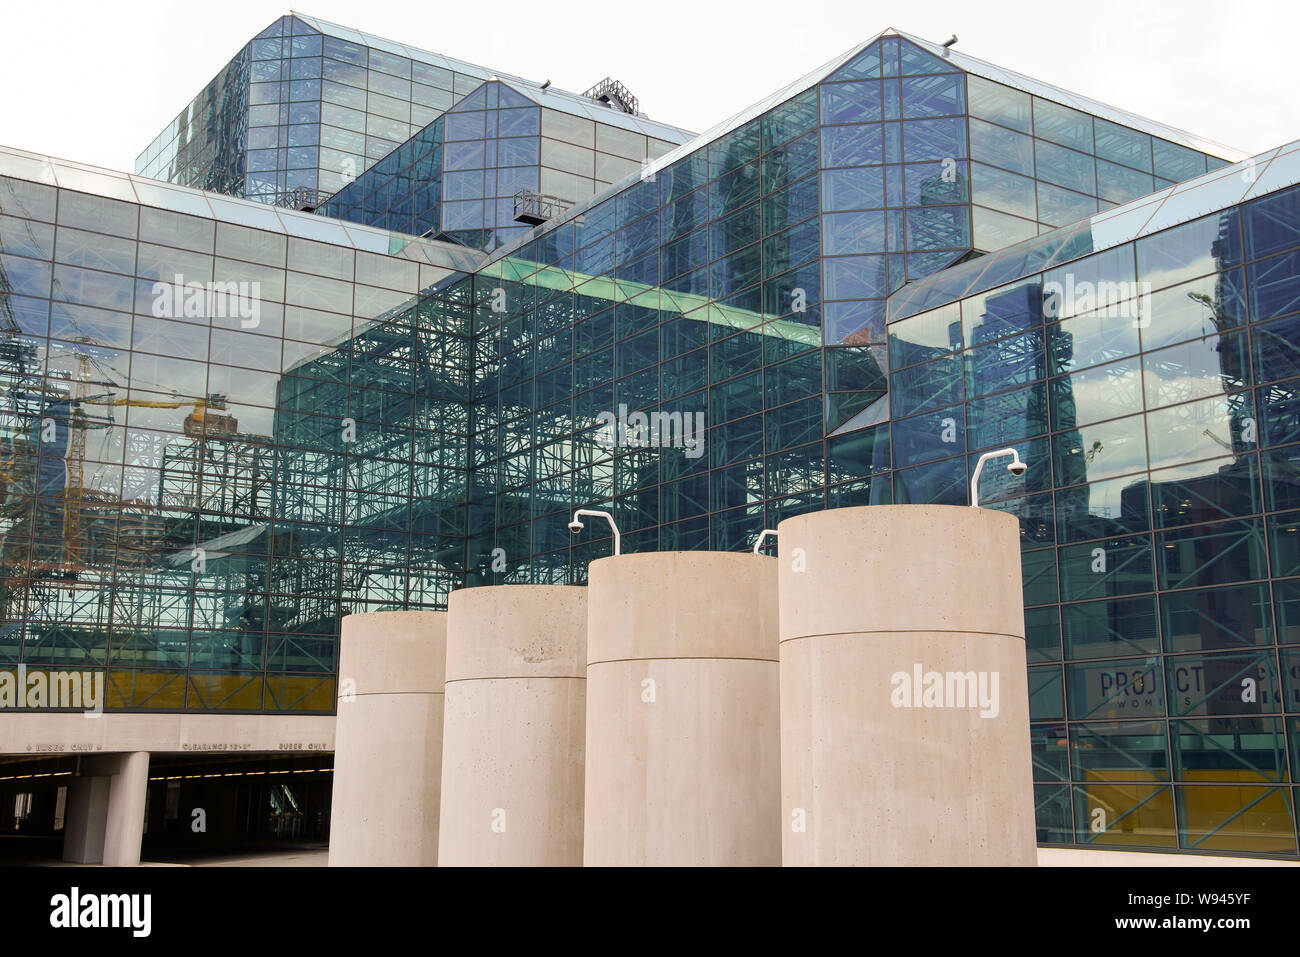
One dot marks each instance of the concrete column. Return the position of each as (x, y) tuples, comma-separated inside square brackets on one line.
[(388, 740), (904, 696), (513, 734), (126, 800), (85, 819), (104, 821), (683, 740)]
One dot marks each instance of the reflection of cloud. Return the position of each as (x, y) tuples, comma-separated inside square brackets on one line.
[(1116, 447), (1194, 431), (1197, 430)]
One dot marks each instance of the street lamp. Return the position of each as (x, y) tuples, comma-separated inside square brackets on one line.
[(576, 526), (758, 545), (1016, 467)]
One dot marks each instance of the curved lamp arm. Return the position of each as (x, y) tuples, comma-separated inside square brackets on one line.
[(576, 526), (1016, 467)]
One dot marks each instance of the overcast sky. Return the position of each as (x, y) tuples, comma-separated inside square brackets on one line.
[(96, 81)]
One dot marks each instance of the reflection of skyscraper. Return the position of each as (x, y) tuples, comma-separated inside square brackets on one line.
[(1018, 358)]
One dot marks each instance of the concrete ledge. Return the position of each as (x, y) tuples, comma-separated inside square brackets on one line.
[(35, 733), (1088, 857)]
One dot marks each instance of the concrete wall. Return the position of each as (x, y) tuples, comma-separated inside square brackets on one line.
[(388, 751), (683, 763), (872, 598), (42, 734), (513, 732)]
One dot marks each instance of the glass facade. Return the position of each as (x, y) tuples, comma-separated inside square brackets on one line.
[(1157, 514), (193, 496), (308, 106), (458, 177), (841, 296)]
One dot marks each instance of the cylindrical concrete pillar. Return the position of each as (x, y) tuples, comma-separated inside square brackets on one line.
[(683, 738), (388, 739), (124, 828), (513, 732), (105, 815), (904, 696)]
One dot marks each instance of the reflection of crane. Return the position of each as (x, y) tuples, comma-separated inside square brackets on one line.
[(1230, 358), (1210, 435), (197, 423)]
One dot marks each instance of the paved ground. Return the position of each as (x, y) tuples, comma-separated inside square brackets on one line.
[(289, 857), (44, 852)]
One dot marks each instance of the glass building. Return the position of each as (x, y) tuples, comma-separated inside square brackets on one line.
[(854, 288), (307, 106), (189, 493), (458, 178)]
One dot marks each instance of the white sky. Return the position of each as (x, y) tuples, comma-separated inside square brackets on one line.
[(96, 80)]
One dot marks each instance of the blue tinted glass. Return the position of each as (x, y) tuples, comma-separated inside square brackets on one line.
[(1213, 554), (1105, 629), (928, 183), (999, 104), (795, 116), (1059, 207), (942, 95), (853, 188), (866, 65), (856, 277), (1274, 286), (937, 139), (938, 483), (848, 233), (1192, 249), (1119, 184), (1176, 163), (851, 145), (1273, 223), (1002, 147), (1119, 144), (1103, 509), (926, 386), (1007, 418), (933, 435), (1001, 312), (938, 227), (1100, 392), (925, 336), (1014, 361), (1119, 566), (1065, 167), (1003, 191), (1060, 124), (854, 102), (1094, 452)]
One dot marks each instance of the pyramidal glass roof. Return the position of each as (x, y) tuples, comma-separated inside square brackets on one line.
[(959, 61), (1047, 91), (1223, 188), (550, 97), (66, 174)]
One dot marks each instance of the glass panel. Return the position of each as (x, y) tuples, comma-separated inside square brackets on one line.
[(1105, 629)]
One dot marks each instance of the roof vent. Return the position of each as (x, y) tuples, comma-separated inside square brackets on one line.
[(615, 95)]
